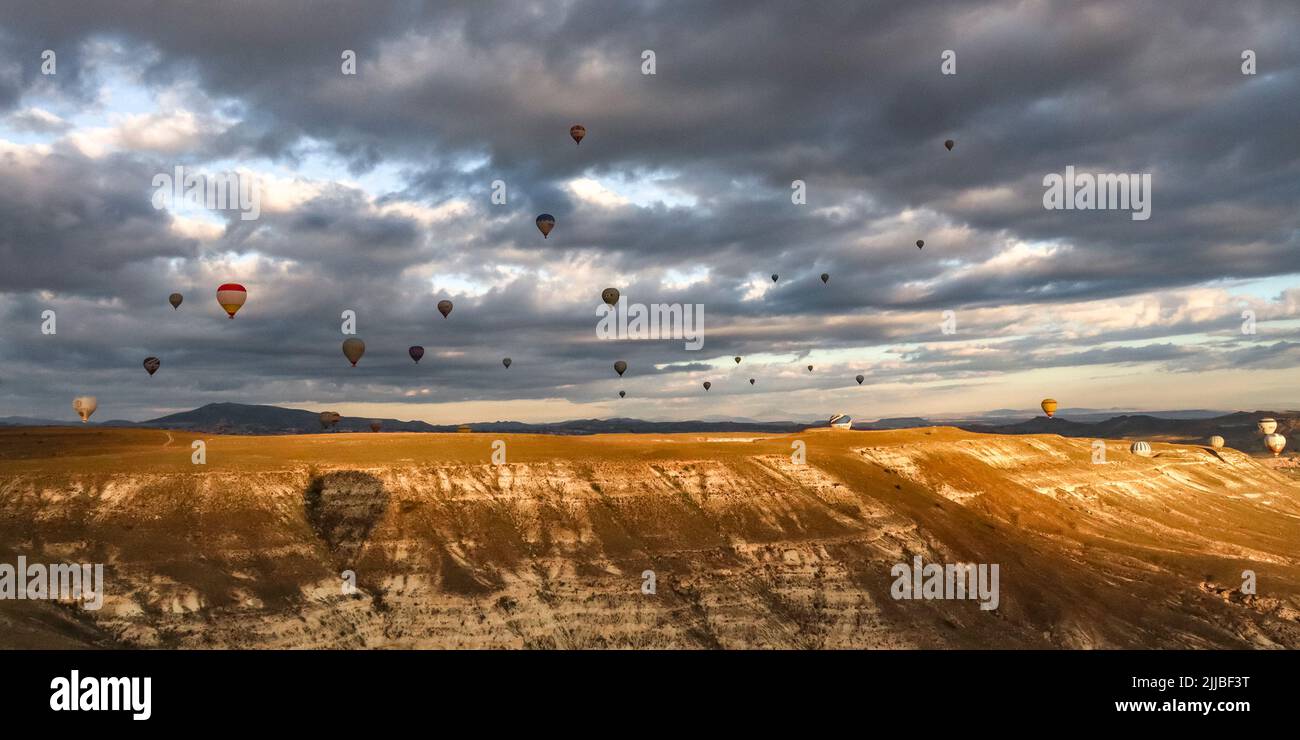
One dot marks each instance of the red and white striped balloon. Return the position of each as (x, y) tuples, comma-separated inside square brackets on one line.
[(231, 296)]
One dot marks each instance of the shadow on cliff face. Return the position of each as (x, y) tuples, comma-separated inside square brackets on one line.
[(343, 507)]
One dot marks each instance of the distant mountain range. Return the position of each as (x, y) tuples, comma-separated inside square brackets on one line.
[(1237, 428), (239, 418)]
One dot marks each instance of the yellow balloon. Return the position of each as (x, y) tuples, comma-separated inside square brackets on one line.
[(1049, 407), (353, 348)]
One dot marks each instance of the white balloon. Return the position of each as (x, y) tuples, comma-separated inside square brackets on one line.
[(1275, 443), (84, 406)]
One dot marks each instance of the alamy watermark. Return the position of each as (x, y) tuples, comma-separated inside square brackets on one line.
[(78, 693), (654, 321), (224, 191), (946, 581), (80, 583), (1101, 192)]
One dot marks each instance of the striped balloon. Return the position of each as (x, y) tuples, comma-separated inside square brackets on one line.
[(231, 296)]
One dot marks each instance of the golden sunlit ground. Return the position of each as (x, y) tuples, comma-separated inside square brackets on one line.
[(749, 547)]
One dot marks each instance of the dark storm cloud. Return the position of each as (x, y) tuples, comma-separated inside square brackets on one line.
[(748, 97)]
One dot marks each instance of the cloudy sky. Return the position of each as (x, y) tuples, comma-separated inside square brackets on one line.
[(376, 192)]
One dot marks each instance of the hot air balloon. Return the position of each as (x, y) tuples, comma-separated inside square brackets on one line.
[(1049, 407), (841, 421), (775, 277), (920, 243), (577, 131), (751, 381), (151, 364), (376, 426), (1267, 426), (1140, 448), (621, 394), (175, 299), (1275, 443), (444, 307), (825, 278), (416, 352), (810, 368), (610, 296), (1216, 442), (506, 362), (737, 360), (84, 406), (860, 378), (231, 296), (620, 367), (949, 143), (353, 348), (545, 223), (329, 419), (707, 385)]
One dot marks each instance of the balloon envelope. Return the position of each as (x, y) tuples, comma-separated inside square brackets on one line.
[(444, 307), (1275, 443), (416, 352), (1049, 406), (609, 295), (810, 368), (577, 131), (737, 360), (506, 362), (620, 367), (825, 278), (949, 143), (860, 378), (1140, 448), (353, 348), (151, 364), (707, 385), (376, 426), (1267, 426), (920, 243), (545, 223), (1216, 442), (775, 277), (84, 406), (175, 299), (231, 296), (751, 381), (622, 394)]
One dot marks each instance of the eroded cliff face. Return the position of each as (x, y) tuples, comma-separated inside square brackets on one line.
[(748, 548)]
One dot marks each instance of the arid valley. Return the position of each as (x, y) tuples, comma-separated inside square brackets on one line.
[(549, 546)]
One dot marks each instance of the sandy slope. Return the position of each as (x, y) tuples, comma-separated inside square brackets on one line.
[(548, 550)]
